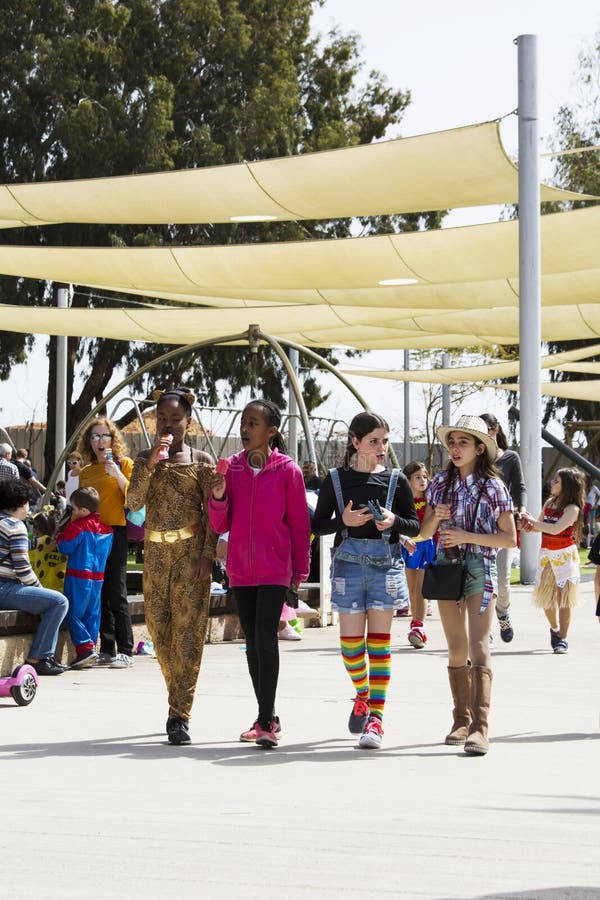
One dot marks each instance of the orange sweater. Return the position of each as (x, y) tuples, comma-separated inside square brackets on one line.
[(112, 499)]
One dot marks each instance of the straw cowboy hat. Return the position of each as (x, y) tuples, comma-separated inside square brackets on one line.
[(470, 425)]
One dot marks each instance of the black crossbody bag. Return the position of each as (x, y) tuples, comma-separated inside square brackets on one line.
[(447, 581)]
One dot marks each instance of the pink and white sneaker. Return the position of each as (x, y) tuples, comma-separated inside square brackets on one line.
[(416, 636), (267, 738), (249, 737)]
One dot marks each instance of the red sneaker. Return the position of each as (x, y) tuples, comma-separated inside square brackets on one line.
[(416, 636), (248, 737), (266, 738)]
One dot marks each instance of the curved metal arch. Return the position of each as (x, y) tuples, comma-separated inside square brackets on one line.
[(253, 335)]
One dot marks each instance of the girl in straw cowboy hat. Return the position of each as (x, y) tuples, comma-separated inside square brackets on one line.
[(469, 504)]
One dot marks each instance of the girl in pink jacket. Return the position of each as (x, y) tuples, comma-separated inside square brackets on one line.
[(260, 499)]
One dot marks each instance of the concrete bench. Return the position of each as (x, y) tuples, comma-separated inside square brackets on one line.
[(17, 628)]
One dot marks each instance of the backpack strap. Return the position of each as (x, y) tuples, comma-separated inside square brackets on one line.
[(337, 487)]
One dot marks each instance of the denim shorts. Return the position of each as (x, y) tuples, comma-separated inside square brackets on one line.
[(367, 574), (475, 578)]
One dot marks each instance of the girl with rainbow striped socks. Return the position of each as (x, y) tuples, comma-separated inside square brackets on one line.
[(367, 506)]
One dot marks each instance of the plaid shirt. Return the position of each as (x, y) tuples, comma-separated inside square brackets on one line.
[(462, 498), (8, 470)]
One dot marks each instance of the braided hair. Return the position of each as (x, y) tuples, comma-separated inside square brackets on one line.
[(273, 417)]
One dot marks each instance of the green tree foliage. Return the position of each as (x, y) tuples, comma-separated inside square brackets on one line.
[(579, 127), (114, 87)]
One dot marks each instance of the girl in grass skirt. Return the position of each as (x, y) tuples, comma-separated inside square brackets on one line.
[(557, 576)]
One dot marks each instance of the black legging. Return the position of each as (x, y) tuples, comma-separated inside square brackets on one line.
[(259, 609)]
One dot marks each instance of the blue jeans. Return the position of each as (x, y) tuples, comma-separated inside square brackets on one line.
[(39, 601)]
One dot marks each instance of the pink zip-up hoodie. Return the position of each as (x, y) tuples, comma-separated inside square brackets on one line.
[(266, 515)]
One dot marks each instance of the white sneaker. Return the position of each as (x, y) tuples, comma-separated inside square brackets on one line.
[(305, 610), (372, 736), (287, 633), (121, 661)]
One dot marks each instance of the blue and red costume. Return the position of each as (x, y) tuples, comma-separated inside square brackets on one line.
[(86, 542)]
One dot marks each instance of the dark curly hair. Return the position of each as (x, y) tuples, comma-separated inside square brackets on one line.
[(13, 494)]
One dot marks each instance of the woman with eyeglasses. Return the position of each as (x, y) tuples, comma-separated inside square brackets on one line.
[(108, 469)]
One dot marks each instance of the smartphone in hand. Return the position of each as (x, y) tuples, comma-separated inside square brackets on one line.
[(375, 509)]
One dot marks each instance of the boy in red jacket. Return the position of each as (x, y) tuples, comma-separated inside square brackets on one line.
[(86, 541)]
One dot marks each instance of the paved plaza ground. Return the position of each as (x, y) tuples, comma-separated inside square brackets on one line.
[(96, 803)]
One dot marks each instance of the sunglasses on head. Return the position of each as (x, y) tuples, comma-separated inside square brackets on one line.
[(99, 437)]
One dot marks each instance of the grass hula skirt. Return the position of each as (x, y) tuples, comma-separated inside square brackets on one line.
[(557, 579)]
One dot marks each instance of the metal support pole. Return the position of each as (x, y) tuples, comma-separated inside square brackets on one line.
[(529, 292), (60, 436), (293, 381), (446, 396), (294, 358), (406, 410)]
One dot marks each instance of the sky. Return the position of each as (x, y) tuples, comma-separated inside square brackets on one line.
[(459, 61)]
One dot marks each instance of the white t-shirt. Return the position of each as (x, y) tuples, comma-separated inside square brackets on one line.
[(593, 496), (71, 484)]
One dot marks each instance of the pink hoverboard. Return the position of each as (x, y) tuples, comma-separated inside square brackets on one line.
[(21, 686)]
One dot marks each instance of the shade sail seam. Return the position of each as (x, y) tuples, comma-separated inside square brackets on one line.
[(405, 263), (295, 216), (584, 319), (512, 287), (188, 278), (21, 206)]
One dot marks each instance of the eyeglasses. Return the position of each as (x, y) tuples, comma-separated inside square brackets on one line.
[(100, 437)]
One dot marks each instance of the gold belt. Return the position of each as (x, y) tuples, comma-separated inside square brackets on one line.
[(171, 537)]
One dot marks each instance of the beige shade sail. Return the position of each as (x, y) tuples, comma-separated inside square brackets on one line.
[(568, 390), (456, 168), (589, 368), (436, 259), (485, 372), (316, 326)]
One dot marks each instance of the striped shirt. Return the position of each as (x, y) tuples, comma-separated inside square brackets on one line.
[(14, 551)]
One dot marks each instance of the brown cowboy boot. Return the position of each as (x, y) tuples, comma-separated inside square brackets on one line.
[(481, 685), (460, 685)]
